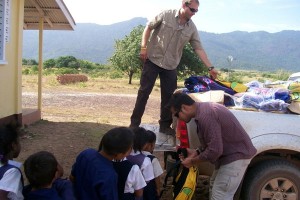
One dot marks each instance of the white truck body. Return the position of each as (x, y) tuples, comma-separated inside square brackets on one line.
[(266, 130), (274, 172)]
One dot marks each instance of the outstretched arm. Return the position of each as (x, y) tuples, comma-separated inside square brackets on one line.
[(203, 57)]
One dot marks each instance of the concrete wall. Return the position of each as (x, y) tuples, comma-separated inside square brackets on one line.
[(11, 71)]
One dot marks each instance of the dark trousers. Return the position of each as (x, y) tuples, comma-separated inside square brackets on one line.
[(168, 84)]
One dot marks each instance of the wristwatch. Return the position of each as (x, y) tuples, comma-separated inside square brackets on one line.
[(211, 68), (198, 151)]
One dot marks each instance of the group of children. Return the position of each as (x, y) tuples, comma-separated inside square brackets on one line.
[(123, 168)]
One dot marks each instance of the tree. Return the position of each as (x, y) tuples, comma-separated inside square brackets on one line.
[(29, 62), (50, 63), (190, 63), (67, 61), (126, 56)]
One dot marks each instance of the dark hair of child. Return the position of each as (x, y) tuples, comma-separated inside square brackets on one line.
[(117, 140), (140, 138), (9, 136), (40, 169), (151, 136)]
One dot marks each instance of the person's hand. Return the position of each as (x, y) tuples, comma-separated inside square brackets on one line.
[(213, 73), (143, 54), (187, 162), (191, 154)]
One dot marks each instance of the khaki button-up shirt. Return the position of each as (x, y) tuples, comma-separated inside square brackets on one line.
[(168, 39)]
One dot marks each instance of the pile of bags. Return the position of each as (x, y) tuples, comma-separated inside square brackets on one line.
[(280, 96)]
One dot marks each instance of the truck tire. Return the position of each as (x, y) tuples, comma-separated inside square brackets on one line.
[(273, 180)]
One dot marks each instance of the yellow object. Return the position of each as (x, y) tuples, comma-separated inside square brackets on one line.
[(294, 87), (189, 186), (295, 96), (238, 87)]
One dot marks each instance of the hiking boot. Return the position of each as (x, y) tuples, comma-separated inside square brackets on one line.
[(167, 130)]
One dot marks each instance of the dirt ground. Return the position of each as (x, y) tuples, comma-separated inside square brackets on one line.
[(75, 120)]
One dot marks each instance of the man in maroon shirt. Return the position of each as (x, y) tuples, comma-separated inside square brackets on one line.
[(224, 142)]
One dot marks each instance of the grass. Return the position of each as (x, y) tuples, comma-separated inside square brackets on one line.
[(101, 85), (121, 85)]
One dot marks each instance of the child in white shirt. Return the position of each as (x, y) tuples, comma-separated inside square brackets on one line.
[(130, 180), (157, 169), (11, 179)]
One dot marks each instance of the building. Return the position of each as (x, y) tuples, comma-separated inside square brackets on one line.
[(17, 16)]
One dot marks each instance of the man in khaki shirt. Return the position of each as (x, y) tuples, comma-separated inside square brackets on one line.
[(162, 44)]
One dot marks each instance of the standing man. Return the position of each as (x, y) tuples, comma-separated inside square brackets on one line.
[(224, 143), (162, 44)]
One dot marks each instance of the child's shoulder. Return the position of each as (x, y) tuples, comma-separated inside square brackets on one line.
[(12, 168), (149, 155), (87, 153), (137, 158)]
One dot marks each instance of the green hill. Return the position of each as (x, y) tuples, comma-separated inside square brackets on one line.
[(253, 51)]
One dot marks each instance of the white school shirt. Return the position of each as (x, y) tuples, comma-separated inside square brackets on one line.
[(8, 182), (157, 169), (146, 168), (135, 180)]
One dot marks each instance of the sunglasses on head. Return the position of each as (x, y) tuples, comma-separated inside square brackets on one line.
[(192, 9)]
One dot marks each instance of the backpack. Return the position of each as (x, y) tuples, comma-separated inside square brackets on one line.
[(204, 84), (184, 179)]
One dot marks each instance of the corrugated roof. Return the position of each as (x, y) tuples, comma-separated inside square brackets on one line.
[(55, 13)]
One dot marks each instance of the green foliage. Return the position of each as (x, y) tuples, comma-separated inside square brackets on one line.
[(115, 75), (26, 71), (67, 61), (49, 63), (226, 70), (282, 75), (35, 69), (126, 55), (235, 79), (29, 62), (30, 70), (84, 64), (65, 70), (190, 63)]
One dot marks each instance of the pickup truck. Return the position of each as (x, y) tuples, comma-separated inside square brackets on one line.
[(274, 172)]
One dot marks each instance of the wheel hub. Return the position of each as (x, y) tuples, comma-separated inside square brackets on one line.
[(277, 196)]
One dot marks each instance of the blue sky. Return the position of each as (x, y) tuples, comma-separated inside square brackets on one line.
[(215, 16)]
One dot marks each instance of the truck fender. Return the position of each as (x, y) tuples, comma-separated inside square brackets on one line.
[(271, 141)]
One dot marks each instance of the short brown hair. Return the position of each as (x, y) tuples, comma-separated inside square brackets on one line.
[(188, 2)]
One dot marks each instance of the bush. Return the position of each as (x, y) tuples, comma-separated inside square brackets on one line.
[(71, 78), (65, 70)]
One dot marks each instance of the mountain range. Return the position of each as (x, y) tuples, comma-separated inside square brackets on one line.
[(250, 50)]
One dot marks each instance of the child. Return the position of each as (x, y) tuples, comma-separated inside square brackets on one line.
[(93, 173), (130, 180), (11, 180), (137, 157), (153, 187), (43, 173)]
